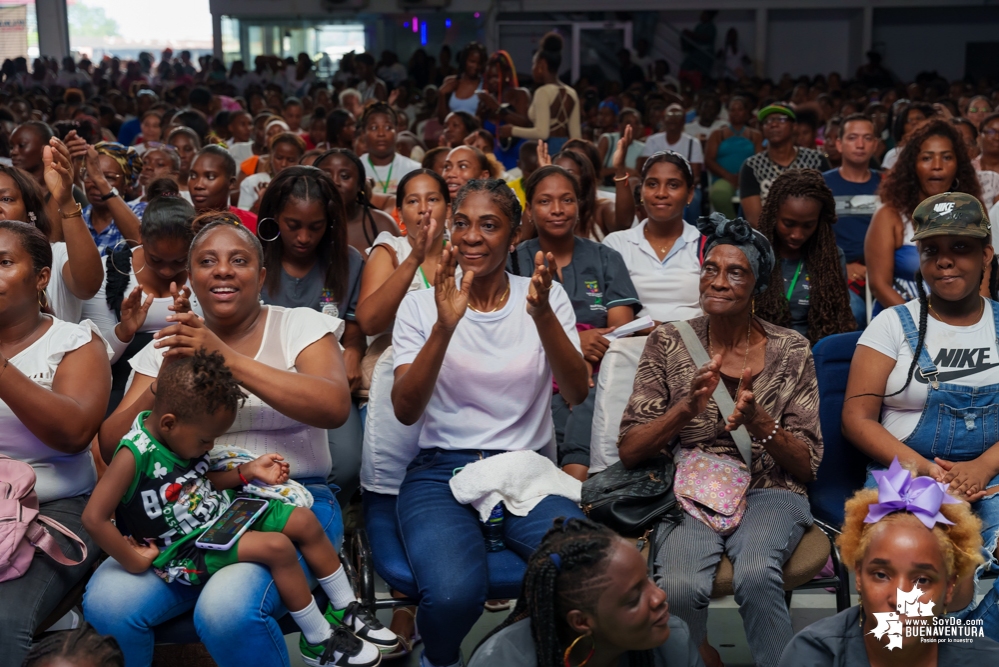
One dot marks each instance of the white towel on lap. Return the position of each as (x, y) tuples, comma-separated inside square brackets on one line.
[(520, 480)]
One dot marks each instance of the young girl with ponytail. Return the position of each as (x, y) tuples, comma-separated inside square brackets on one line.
[(364, 221), (924, 383)]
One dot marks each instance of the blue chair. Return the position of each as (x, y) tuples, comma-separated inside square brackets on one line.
[(844, 467), (378, 548)]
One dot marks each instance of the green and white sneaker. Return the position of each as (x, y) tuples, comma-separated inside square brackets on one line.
[(342, 649), (362, 622)]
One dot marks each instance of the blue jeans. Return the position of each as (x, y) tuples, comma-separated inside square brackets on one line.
[(693, 209), (446, 550), (235, 613), (858, 305)]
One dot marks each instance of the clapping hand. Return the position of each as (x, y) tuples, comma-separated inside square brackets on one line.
[(541, 284), (747, 412), (58, 171), (181, 299), (621, 150), (544, 159), (133, 314), (423, 235), (452, 299), (703, 385)]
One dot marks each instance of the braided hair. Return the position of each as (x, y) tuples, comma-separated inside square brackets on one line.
[(212, 220), (829, 300), (74, 645), (499, 192), (308, 184), (370, 232), (197, 385), (567, 571)]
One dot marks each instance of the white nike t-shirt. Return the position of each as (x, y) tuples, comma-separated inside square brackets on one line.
[(963, 355)]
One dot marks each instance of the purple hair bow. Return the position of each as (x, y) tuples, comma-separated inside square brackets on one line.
[(898, 491)]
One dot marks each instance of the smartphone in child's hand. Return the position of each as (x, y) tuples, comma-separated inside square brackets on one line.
[(229, 527)]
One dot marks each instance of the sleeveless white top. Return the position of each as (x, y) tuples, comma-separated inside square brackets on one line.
[(58, 475), (260, 428)]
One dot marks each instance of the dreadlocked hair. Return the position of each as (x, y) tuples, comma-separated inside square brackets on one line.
[(84, 644), (197, 385), (829, 299), (567, 571), (308, 184), (900, 186), (371, 231)]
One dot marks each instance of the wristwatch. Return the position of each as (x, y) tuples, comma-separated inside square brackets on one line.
[(113, 193)]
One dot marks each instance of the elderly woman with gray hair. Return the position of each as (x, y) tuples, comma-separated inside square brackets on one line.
[(738, 390)]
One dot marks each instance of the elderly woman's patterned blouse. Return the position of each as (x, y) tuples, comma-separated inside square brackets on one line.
[(786, 388)]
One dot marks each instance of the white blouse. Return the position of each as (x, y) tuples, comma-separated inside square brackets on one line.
[(58, 474), (260, 428)]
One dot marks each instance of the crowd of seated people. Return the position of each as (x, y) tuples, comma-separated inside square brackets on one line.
[(408, 280)]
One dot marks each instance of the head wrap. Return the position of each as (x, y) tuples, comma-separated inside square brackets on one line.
[(126, 157), (898, 491), (719, 230), (612, 105)]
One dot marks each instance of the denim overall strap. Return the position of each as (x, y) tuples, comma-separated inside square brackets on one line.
[(995, 317), (926, 365)]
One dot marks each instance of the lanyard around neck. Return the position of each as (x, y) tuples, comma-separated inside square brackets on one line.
[(388, 179), (794, 281)]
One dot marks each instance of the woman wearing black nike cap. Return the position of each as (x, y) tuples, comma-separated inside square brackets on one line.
[(924, 383)]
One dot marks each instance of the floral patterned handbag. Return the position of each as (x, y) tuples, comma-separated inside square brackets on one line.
[(709, 487)]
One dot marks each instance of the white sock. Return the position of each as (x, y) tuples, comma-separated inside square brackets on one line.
[(314, 625), (338, 589)]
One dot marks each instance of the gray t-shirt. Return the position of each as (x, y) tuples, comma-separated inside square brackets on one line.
[(515, 646), (309, 291), (838, 641), (801, 292)]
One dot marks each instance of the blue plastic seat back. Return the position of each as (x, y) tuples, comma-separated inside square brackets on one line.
[(506, 568), (843, 466)]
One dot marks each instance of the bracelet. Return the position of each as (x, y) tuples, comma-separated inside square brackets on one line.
[(769, 437), (78, 213), (621, 179), (239, 471)]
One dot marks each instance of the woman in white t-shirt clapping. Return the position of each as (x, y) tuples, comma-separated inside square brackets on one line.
[(476, 360), (928, 393)]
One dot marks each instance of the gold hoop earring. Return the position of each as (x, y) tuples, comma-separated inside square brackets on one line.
[(568, 651), (43, 300), (753, 306)]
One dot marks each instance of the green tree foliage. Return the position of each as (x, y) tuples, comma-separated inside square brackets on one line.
[(87, 21)]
